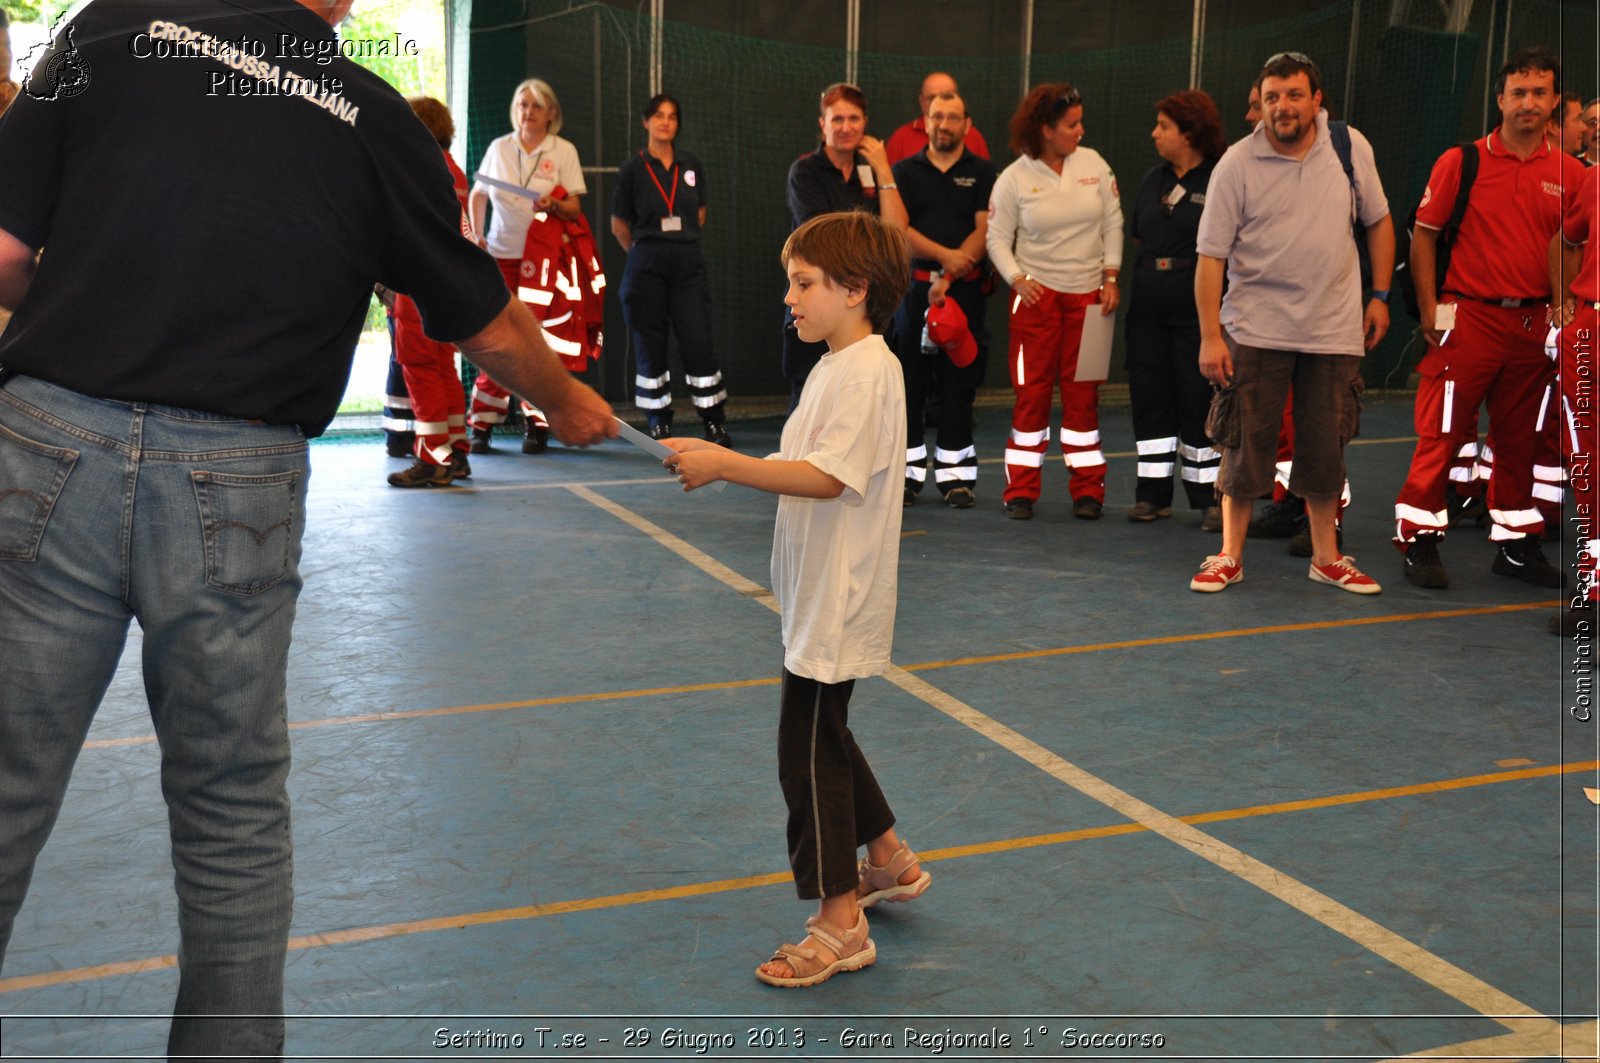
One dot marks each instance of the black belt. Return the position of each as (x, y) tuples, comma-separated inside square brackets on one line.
[(1508, 304), (1166, 265)]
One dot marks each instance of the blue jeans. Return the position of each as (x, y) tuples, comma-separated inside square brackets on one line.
[(191, 523)]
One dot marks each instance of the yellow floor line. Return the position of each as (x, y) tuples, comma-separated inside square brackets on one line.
[(702, 889), (1233, 633), (925, 666), (1574, 1042)]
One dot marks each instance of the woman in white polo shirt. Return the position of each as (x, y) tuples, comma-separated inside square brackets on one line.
[(531, 157), (1055, 234)]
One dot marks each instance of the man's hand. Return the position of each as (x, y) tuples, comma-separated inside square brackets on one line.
[(583, 418), (697, 462), (955, 261), (1562, 311), (1216, 361), (1375, 322), (938, 290)]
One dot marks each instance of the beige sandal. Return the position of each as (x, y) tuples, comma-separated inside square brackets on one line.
[(854, 949), (883, 883)]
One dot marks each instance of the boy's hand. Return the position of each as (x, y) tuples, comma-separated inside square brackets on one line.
[(685, 443), (696, 463)]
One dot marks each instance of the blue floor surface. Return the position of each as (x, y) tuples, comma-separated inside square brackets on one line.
[(534, 788)]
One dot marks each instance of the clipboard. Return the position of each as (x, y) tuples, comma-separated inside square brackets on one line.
[(1094, 345)]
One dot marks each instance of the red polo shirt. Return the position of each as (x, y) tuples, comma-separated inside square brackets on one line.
[(1515, 207), (1578, 228)]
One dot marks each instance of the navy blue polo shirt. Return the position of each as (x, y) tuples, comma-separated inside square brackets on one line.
[(1164, 233), (815, 186), (643, 202), (215, 214), (942, 204)]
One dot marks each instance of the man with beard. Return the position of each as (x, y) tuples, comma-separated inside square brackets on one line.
[(1292, 313), (1485, 325), (945, 187)]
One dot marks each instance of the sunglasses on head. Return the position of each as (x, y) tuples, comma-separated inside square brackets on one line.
[(1295, 57)]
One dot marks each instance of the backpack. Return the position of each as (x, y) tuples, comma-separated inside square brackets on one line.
[(1339, 133), (1404, 279)]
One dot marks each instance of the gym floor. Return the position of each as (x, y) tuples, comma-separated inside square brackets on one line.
[(535, 790)]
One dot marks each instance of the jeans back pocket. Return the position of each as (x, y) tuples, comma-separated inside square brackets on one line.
[(32, 475), (248, 524)]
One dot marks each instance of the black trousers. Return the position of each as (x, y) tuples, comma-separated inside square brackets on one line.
[(665, 283), (955, 459), (835, 805), (1169, 396)]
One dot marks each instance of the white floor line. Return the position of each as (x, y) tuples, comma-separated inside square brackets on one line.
[(699, 559), (1435, 971), (1419, 962)]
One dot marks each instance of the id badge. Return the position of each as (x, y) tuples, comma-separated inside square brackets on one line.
[(1444, 317), (671, 223)]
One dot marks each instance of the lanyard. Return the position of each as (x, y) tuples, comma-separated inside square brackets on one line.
[(536, 156), (651, 171)]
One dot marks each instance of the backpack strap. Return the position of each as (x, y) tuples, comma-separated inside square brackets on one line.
[(1339, 134), (1469, 174)]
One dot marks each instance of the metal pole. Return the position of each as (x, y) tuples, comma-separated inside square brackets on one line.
[(658, 10), (1488, 60), (1350, 60), (1197, 42), (1027, 46), (852, 39)]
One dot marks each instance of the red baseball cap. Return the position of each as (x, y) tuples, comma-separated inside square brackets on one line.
[(947, 326)]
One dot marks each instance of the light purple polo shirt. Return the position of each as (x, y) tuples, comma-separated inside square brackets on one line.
[(1283, 226)]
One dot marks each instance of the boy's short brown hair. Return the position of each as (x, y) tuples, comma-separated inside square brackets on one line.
[(854, 249)]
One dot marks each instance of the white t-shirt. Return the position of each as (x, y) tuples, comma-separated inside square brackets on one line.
[(1063, 230), (553, 162), (835, 562)]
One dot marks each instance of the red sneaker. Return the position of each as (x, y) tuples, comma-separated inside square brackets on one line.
[(1218, 571), (1344, 575)]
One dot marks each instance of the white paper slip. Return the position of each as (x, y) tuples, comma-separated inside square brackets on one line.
[(536, 190), (654, 448), (1094, 347)]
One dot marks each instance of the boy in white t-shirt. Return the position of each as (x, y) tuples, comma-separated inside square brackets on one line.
[(835, 557)]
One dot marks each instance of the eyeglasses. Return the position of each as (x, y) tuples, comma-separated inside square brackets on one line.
[(1297, 57)]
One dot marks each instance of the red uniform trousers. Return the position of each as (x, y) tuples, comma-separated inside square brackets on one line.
[(1495, 357), (1473, 466), (1580, 440), (490, 401), (1549, 474), (1043, 351), (438, 404)]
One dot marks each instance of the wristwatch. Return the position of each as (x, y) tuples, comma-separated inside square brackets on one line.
[(1381, 294)]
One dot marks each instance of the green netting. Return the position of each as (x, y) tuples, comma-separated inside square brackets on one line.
[(748, 75)]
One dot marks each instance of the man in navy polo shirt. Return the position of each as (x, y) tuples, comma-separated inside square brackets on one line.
[(945, 188), (216, 215)]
